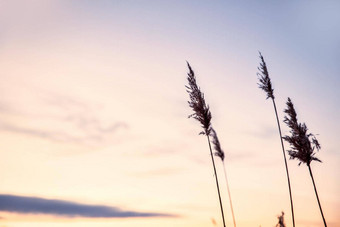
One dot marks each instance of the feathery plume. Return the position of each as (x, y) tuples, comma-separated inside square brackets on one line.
[(197, 103), (302, 144), (266, 85), (281, 222), (220, 153), (203, 115), (264, 79), (217, 146)]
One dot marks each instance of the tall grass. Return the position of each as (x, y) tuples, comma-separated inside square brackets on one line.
[(203, 115), (220, 153), (302, 144), (281, 222), (266, 85)]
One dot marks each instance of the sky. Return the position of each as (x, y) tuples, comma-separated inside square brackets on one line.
[(94, 127)]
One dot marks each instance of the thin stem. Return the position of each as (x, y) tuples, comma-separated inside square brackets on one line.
[(218, 188), (231, 204), (316, 193), (285, 159)]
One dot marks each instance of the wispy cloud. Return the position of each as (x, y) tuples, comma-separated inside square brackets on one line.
[(35, 205), (77, 121), (44, 134), (59, 136)]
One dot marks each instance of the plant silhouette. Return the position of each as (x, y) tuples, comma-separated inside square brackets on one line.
[(203, 115), (220, 153), (266, 85), (281, 222), (302, 144)]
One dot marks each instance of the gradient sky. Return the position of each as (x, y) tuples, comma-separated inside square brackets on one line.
[(93, 111)]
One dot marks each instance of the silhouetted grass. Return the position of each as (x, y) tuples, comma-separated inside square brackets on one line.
[(266, 85), (220, 153), (302, 144), (281, 222), (203, 115)]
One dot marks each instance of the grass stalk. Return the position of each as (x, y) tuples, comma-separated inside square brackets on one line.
[(202, 114), (229, 194), (266, 85), (286, 165), (317, 196), (302, 144), (216, 179), (220, 153)]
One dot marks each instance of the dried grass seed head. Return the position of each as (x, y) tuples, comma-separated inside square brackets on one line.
[(217, 146), (281, 222), (302, 143), (197, 103), (264, 79)]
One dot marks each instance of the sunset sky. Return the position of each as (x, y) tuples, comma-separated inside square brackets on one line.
[(93, 111)]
